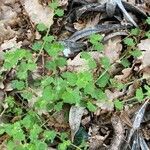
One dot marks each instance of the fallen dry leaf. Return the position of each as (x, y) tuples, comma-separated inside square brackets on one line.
[(124, 116), (6, 33), (38, 13), (146, 73), (75, 115), (145, 58), (113, 49), (105, 105), (93, 22), (144, 46), (79, 64), (113, 94), (9, 12), (58, 120), (9, 44), (109, 105), (14, 22), (126, 73), (131, 90)]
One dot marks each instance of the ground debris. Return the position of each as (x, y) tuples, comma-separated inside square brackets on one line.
[(95, 49), (38, 13), (118, 133)]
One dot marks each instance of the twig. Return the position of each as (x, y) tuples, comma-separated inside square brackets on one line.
[(44, 42), (118, 133)]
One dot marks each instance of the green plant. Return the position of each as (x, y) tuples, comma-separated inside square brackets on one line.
[(55, 6), (96, 40), (58, 88)]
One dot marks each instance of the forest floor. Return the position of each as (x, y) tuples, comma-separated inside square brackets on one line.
[(74, 75)]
